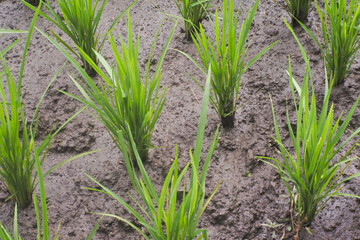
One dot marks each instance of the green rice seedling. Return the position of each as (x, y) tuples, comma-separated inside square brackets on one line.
[(79, 21), (340, 33), (167, 215), (14, 151), (17, 150), (192, 12), (123, 98), (227, 59), (42, 225), (314, 169), (298, 10), (16, 166)]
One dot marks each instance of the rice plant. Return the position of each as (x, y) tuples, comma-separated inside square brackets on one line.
[(298, 10), (192, 12), (16, 165), (340, 34), (123, 98), (43, 231), (14, 151), (227, 59), (79, 21), (165, 215), (17, 161), (315, 168), (17, 147)]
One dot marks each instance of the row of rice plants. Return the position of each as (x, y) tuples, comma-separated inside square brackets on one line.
[(339, 22), (339, 33), (123, 99), (125, 80), (340, 28), (180, 220)]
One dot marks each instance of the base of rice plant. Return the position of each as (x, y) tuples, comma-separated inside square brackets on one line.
[(228, 121), (192, 12), (298, 10)]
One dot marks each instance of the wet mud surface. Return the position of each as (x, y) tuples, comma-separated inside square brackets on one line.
[(251, 192)]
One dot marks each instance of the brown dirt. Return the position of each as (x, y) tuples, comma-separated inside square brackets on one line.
[(251, 191)]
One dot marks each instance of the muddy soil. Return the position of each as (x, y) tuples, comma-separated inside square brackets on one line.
[(251, 192)]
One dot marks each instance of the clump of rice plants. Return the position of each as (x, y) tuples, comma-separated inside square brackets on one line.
[(79, 21), (125, 100), (298, 10), (16, 162), (340, 34), (17, 146), (17, 150), (314, 169), (192, 12), (166, 216), (226, 58), (16, 166)]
